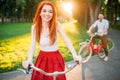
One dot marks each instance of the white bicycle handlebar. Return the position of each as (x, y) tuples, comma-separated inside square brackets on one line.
[(49, 74), (69, 66)]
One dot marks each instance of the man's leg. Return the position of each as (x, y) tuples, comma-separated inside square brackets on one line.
[(105, 46), (99, 37)]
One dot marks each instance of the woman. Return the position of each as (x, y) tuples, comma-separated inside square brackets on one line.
[(44, 31)]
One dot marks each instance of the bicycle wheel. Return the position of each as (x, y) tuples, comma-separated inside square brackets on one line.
[(85, 52)]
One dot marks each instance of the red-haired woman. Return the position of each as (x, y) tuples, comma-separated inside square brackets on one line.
[(44, 31)]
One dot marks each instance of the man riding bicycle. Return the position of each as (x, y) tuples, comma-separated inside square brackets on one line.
[(101, 33)]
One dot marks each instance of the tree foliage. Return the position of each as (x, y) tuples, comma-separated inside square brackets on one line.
[(113, 10), (85, 11), (19, 10)]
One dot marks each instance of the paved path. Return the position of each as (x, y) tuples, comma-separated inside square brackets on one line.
[(95, 69)]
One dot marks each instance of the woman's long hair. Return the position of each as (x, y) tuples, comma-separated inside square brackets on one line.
[(38, 22)]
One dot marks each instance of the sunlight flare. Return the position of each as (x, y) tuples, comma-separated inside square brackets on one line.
[(68, 7)]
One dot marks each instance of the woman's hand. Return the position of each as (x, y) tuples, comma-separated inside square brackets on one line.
[(26, 63), (78, 59)]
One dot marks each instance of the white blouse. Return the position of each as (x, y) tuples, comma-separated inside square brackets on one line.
[(44, 42), (45, 46)]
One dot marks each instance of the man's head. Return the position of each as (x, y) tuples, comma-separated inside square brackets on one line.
[(100, 16)]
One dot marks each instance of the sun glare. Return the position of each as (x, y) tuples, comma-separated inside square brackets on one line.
[(68, 7)]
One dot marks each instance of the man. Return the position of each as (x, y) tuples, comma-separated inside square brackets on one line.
[(102, 30)]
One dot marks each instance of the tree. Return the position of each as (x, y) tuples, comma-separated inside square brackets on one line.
[(80, 11), (10, 9), (94, 8), (2, 9), (113, 10), (86, 11), (19, 11)]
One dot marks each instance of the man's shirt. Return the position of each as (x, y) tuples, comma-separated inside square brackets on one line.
[(102, 25)]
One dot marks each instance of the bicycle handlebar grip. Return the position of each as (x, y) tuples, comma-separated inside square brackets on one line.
[(28, 69)]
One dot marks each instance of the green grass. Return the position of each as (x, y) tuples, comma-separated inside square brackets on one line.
[(14, 41), (12, 30)]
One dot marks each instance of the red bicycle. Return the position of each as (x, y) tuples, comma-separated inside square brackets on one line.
[(88, 49)]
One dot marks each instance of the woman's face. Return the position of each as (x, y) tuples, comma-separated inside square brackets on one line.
[(46, 13)]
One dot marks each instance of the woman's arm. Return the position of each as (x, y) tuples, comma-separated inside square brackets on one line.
[(32, 44), (67, 42), (31, 49)]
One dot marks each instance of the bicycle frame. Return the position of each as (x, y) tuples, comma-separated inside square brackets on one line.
[(95, 50)]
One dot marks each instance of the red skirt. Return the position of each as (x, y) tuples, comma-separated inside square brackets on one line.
[(49, 62)]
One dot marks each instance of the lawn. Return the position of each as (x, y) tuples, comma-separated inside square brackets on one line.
[(14, 44)]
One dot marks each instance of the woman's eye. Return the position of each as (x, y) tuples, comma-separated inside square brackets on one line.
[(44, 10), (50, 12)]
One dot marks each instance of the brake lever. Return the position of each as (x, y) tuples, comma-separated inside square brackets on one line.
[(26, 71)]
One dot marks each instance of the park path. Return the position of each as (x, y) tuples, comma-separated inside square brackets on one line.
[(95, 69)]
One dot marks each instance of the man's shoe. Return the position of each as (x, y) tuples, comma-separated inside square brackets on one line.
[(101, 56), (106, 58)]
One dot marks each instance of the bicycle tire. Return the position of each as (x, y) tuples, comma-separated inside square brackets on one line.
[(85, 52)]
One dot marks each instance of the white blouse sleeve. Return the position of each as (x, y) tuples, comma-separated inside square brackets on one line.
[(65, 39), (32, 44)]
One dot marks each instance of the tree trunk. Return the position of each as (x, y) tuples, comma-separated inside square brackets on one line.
[(86, 15), (94, 9), (2, 15), (91, 13), (2, 18)]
